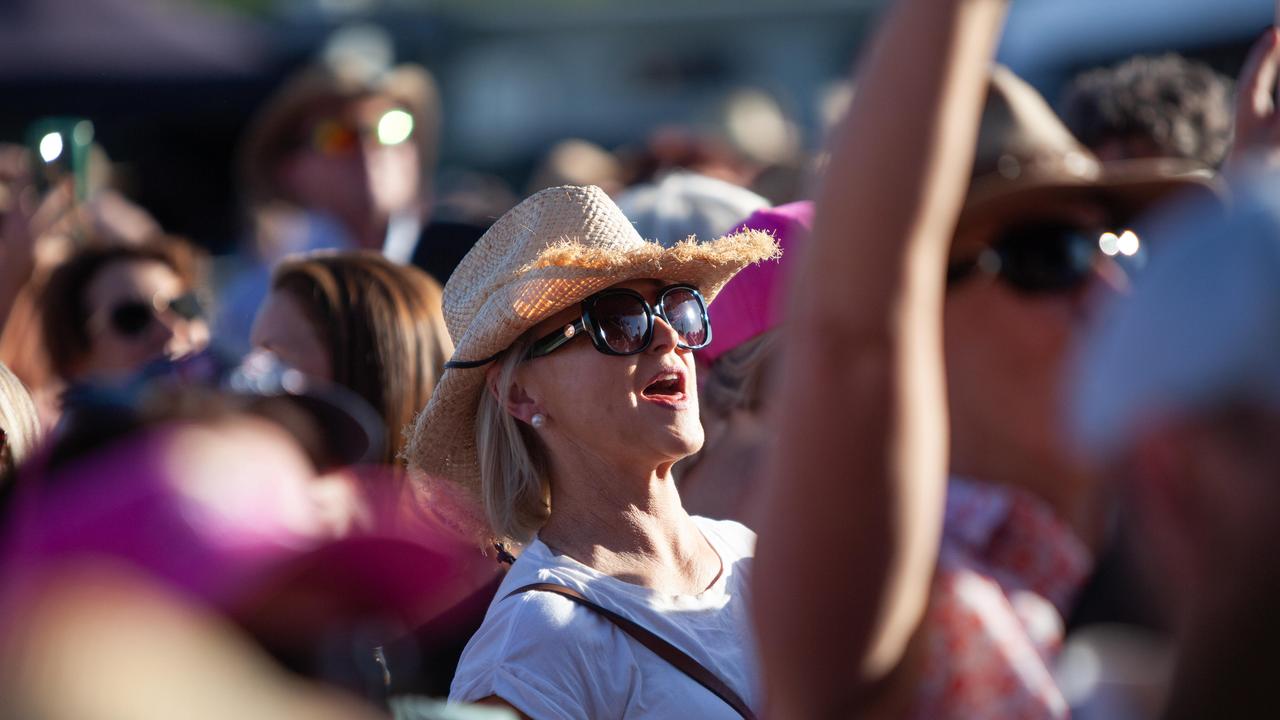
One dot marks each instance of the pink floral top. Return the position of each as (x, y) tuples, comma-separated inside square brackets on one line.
[(1007, 572)]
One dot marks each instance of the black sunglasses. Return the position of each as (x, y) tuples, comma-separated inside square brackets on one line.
[(132, 317), (619, 321), (1041, 258)]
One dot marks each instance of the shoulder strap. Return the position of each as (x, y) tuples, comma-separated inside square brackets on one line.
[(678, 658)]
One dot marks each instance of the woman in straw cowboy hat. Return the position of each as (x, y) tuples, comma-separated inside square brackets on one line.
[(568, 442)]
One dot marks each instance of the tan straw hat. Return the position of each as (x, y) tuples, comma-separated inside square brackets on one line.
[(546, 254), (1026, 158)]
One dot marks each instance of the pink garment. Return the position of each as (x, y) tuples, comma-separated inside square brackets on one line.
[(227, 544), (1007, 572), (752, 301)]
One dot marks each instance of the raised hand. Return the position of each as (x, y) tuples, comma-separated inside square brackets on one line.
[(1257, 127), (24, 223)]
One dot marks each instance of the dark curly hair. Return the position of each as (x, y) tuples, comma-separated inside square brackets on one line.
[(1181, 107)]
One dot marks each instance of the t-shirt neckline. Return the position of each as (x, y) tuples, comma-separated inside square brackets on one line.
[(716, 588)]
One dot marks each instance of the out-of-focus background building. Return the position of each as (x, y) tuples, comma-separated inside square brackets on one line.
[(170, 84)]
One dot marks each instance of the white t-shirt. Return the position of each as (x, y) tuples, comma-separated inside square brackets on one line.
[(552, 658)]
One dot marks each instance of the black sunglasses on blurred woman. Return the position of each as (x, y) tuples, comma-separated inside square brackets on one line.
[(131, 318), (1045, 257)]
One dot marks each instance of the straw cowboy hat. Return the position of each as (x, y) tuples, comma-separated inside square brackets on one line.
[(546, 254), (1027, 158)]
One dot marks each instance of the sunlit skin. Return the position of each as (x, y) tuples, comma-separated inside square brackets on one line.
[(595, 403), (250, 468), (611, 446), (360, 187), (285, 330), (113, 355), (1005, 359)]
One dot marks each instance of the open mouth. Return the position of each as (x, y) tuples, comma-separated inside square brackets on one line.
[(665, 387)]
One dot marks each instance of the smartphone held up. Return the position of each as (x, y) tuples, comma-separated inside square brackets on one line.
[(60, 149)]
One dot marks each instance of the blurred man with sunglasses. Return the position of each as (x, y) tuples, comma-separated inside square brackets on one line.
[(343, 155), (1046, 227), (1046, 231), (353, 142)]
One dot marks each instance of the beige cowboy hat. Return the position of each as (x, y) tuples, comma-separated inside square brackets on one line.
[(1026, 158), (546, 254)]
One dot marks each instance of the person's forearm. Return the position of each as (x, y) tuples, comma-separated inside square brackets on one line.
[(855, 489)]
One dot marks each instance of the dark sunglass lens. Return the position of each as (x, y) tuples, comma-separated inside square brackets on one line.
[(131, 318), (685, 312), (186, 306), (1047, 257), (622, 321)]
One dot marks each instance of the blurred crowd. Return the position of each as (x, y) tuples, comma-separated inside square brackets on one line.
[(991, 377)]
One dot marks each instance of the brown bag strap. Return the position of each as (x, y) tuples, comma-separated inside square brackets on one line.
[(678, 658)]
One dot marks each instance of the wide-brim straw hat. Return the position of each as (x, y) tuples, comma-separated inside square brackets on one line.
[(546, 254), (1027, 158)]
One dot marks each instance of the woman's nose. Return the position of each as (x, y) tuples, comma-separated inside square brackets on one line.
[(665, 337)]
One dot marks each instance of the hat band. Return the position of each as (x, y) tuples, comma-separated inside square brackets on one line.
[(468, 364)]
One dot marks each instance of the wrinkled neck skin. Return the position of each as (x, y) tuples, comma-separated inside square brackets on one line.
[(627, 522)]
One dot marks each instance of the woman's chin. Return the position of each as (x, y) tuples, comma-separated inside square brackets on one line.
[(685, 441)]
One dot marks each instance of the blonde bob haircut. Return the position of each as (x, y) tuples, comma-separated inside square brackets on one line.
[(514, 486), (19, 423)]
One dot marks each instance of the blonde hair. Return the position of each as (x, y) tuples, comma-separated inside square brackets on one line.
[(513, 479), (739, 377), (737, 380), (18, 420)]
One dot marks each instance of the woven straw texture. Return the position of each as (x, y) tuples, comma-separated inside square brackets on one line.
[(548, 253)]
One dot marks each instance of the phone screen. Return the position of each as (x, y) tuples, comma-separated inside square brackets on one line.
[(60, 149)]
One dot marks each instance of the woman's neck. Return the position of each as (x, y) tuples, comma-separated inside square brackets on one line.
[(629, 524)]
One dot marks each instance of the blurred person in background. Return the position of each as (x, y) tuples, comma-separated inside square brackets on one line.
[(744, 138), (223, 506), (376, 328), (738, 374), (1165, 106), (1178, 397), (1152, 107), (37, 233), (681, 204), (357, 319), (577, 162), (108, 310), (19, 426), (567, 443), (952, 593), (679, 147), (343, 156), (352, 141)]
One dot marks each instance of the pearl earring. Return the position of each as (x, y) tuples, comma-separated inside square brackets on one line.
[(538, 420)]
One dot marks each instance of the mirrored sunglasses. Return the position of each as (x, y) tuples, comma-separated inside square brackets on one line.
[(620, 321), (338, 136)]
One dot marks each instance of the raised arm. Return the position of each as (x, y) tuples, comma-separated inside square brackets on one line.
[(854, 492)]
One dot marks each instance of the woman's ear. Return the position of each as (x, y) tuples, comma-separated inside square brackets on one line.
[(516, 401)]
